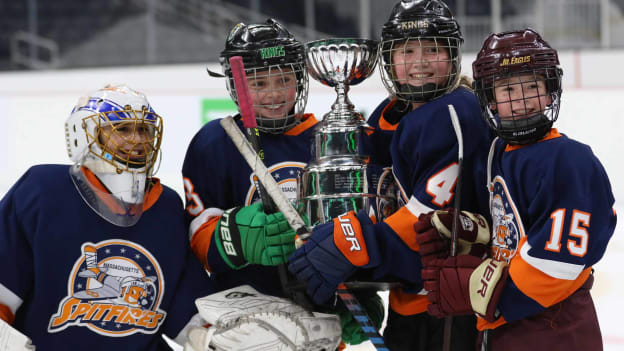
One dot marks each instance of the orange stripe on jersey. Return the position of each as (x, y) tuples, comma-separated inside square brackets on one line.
[(6, 314), (200, 242), (541, 287), (407, 304), (152, 196), (482, 324), (402, 222), (349, 239), (552, 134), (307, 122), (383, 124)]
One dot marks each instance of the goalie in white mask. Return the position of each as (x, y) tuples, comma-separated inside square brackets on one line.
[(116, 135), (96, 253)]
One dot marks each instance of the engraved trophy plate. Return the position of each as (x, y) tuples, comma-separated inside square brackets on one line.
[(340, 178)]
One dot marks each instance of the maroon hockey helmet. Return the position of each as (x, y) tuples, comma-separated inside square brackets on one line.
[(513, 53)]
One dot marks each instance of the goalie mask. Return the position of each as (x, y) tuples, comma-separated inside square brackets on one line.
[(113, 136), (517, 79), (420, 51), (276, 72)]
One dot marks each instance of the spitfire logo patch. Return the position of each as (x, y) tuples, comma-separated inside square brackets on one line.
[(507, 224), (115, 289), (285, 175)]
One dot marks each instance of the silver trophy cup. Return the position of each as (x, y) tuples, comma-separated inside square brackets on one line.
[(340, 177)]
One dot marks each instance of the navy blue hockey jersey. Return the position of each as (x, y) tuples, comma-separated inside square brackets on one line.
[(376, 143), (424, 156), (217, 178), (552, 211), (75, 281)]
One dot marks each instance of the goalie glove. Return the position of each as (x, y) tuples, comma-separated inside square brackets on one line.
[(433, 233), (244, 319), (464, 285), (247, 235)]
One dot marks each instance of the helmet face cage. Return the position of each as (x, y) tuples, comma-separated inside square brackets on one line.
[(279, 95), (420, 69), (528, 99), (128, 139)]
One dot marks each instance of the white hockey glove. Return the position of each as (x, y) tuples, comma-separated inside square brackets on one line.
[(244, 319)]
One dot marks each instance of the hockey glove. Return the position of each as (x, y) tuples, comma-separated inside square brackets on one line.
[(247, 235), (352, 332), (332, 254), (434, 232), (464, 285)]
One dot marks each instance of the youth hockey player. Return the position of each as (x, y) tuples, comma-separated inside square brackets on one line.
[(220, 189), (551, 206), (92, 253), (420, 66)]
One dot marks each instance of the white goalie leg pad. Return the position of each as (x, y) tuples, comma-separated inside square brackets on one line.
[(244, 319)]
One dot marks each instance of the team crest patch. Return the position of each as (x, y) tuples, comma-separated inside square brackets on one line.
[(115, 289), (285, 175), (507, 224)]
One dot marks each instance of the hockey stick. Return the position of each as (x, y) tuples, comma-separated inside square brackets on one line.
[(294, 219), (359, 314), (448, 321), (253, 135), (249, 122), (264, 176)]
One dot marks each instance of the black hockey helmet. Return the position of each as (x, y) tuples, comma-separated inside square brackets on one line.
[(507, 54), (421, 18), (415, 20), (267, 49)]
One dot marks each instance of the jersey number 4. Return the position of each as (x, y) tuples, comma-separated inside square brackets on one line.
[(578, 229), (440, 186)]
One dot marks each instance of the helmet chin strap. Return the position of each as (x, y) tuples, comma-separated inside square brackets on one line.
[(128, 186), (530, 122), (423, 93), (524, 131)]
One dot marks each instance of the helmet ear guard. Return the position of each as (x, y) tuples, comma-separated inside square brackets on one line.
[(518, 53)]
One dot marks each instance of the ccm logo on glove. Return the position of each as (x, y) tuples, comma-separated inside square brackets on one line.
[(349, 239)]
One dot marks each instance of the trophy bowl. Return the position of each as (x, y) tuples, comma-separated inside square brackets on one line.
[(340, 177), (341, 61)]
